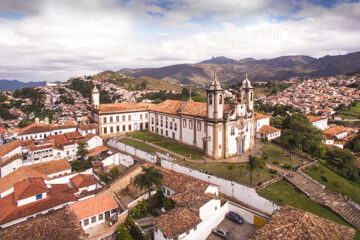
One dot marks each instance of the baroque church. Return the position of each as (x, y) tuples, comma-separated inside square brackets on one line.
[(219, 130)]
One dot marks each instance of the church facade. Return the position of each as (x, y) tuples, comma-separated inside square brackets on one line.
[(219, 130)]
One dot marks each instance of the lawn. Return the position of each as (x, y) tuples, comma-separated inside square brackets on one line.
[(139, 145), (141, 135), (238, 174), (276, 156), (181, 149), (284, 192), (352, 113), (335, 182)]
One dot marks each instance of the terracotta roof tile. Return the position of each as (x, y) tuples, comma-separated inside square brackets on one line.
[(121, 107), (315, 118), (92, 206), (8, 147), (290, 223), (334, 130), (73, 135), (83, 180), (259, 116), (7, 160), (29, 187), (191, 198), (18, 175), (51, 166), (266, 129), (59, 225), (85, 127), (41, 127), (176, 221), (168, 106), (97, 150), (180, 182)]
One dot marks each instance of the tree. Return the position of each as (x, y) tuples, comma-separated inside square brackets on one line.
[(230, 167), (114, 172), (253, 163), (354, 144), (149, 178), (122, 233), (82, 150)]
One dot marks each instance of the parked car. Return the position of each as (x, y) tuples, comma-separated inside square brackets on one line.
[(221, 232), (234, 217)]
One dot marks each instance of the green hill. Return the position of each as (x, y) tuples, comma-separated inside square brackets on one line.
[(137, 83)]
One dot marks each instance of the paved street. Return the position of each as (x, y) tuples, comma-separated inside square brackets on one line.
[(237, 231)]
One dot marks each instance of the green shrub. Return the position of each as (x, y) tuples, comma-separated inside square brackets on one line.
[(135, 231), (323, 178), (80, 165), (114, 172), (122, 233), (168, 203), (140, 210), (104, 177)]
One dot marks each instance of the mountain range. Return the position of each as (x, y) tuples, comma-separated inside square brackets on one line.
[(10, 85), (230, 71)]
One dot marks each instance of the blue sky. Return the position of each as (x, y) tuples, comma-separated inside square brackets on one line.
[(54, 40)]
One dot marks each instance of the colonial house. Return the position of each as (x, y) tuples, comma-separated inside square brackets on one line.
[(261, 120), (198, 209), (94, 211), (10, 157), (319, 122), (84, 183), (33, 197), (268, 132), (218, 129)]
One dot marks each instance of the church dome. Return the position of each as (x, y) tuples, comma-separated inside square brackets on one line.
[(246, 83)]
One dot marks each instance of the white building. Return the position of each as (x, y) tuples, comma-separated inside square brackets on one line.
[(268, 132), (218, 129), (319, 122), (197, 210)]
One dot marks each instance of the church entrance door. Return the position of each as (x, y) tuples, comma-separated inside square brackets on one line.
[(240, 147)]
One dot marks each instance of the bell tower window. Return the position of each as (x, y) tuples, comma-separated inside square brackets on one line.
[(210, 99), (251, 96), (220, 99)]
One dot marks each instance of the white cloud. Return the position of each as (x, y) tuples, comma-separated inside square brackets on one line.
[(59, 39)]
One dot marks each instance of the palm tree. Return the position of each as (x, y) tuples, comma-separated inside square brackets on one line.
[(254, 163), (149, 177)]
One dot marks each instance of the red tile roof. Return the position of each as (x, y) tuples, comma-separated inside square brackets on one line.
[(73, 135), (123, 107), (97, 150), (41, 127), (315, 118), (180, 182), (259, 116), (29, 187), (176, 221), (85, 127), (290, 223), (268, 130), (83, 180), (57, 195), (93, 206), (51, 167), (8, 147), (59, 225), (334, 130)]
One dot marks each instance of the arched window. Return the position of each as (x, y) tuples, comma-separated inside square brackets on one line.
[(251, 96), (210, 99), (220, 99)]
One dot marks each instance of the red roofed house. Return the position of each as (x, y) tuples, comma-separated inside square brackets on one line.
[(32, 197), (319, 122), (84, 182), (91, 212), (268, 132), (261, 120), (197, 210), (10, 157)]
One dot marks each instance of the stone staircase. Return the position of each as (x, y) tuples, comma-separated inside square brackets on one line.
[(318, 193)]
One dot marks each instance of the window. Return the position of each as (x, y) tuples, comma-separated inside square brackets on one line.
[(152, 120), (129, 117), (67, 153), (104, 120), (232, 131), (123, 118), (146, 115), (152, 129), (184, 123), (101, 216), (124, 128), (113, 210), (118, 128), (166, 133), (117, 119), (164, 189), (86, 222), (220, 99), (111, 129), (161, 124), (111, 119), (129, 127), (168, 192), (190, 124), (210, 99), (215, 208), (166, 124), (141, 116), (105, 130), (162, 132), (93, 219), (157, 122), (199, 126), (251, 96), (175, 126), (39, 196), (171, 125)]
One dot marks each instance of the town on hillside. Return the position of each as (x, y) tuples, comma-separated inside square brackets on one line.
[(92, 159)]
